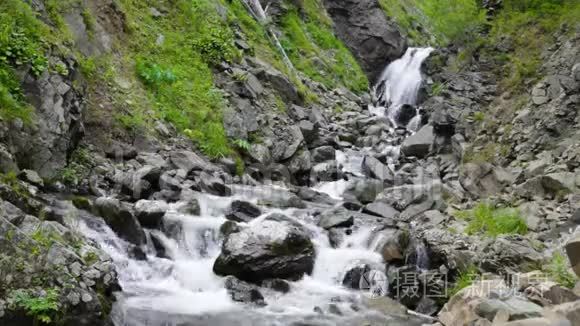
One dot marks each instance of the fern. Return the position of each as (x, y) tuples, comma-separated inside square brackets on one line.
[(42, 308)]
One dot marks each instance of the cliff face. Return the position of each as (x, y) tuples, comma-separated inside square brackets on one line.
[(365, 29)]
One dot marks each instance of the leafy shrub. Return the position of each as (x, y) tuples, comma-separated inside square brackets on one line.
[(559, 271), (43, 308), (154, 75), (217, 45), (491, 221), (242, 144)]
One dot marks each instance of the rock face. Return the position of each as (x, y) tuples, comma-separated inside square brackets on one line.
[(364, 28), (573, 252), (276, 247)]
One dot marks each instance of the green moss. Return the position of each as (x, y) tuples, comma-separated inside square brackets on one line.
[(78, 167), (89, 22), (491, 221)]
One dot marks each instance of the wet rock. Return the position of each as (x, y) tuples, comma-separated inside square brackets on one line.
[(375, 169), (276, 247), (405, 114), (419, 144), (150, 212), (401, 197), (358, 277), (213, 185), (570, 311), (277, 285), (229, 227), (243, 211), (336, 217), (160, 250), (241, 291), (365, 190), (336, 237), (327, 171), (120, 218), (189, 206)]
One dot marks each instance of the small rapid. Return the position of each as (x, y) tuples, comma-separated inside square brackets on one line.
[(180, 287)]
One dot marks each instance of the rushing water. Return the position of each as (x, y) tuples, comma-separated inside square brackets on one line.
[(182, 288), (399, 85)]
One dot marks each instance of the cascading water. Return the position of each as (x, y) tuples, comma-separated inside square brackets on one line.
[(182, 289), (399, 85)]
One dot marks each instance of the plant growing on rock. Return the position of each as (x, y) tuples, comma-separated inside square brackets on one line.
[(559, 271), (42, 307), (491, 221), (465, 279)]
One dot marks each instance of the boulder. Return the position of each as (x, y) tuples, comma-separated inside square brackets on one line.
[(31, 177), (481, 180), (286, 143), (242, 211), (120, 218), (569, 310), (509, 252), (300, 162), (260, 154), (150, 212), (419, 144), (323, 153), (190, 161), (213, 185), (276, 285), (391, 243), (336, 217), (327, 171), (276, 247), (401, 197), (309, 130), (373, 168), (365, 190)]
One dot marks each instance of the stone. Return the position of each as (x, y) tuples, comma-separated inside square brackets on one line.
[(241, 291), (570, 311), (480, 179), (323, 154), (260, 154), (277, 285), (401, 197), (120, 218), (309, 130), (419, 144), (365, 190), (391, 244), (300, 162), (281, 84), (190, 161), (243, 211), (286, 143), (276, 247), (336, 217), (297, 113), (150, 212), (213, 185), (573, 252), (31, 177), (382, 209), (327, 171), (560, 182), (373, 168)]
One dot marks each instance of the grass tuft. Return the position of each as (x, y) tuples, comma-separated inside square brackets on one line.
[(491, 221)]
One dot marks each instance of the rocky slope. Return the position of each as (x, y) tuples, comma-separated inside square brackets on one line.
[(107, 189)]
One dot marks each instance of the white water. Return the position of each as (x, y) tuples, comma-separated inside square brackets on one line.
[(183, 290), (402, 79)]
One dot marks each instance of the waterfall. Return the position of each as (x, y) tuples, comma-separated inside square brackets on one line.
[(398, 88)]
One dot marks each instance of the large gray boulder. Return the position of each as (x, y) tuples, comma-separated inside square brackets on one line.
[(419, 144), (363, 27), (276, 247), (573, 252), (120, 218)]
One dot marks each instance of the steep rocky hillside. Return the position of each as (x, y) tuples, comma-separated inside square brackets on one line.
[(289, 162)]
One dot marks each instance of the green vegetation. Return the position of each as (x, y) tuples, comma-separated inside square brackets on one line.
[(43, 308), (22, 44), (314, 49), (242, 144), (11, 179), (491, 221), (559, 271), (78, 167), (465, 279), (479, 116), (177, 72)]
